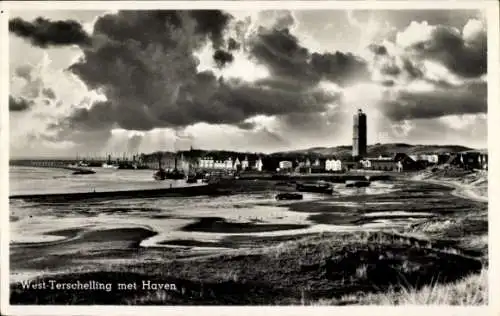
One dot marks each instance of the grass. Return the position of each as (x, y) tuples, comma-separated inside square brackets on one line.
[(471, 290), (323, 268)]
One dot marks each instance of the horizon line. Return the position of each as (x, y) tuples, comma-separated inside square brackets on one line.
[(247, 152)]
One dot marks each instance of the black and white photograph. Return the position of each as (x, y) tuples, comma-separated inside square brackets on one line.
[(245, 155)]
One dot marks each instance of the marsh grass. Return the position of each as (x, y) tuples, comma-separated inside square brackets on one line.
[(471, 290)]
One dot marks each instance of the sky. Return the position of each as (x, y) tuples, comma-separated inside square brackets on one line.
[(97, 82)]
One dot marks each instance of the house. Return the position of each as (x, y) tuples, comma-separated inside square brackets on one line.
[(407, 163), (319, 166), (285, 166), (333, 165), (258, 165), (399, 162), (474, 159), (208, 163), (245, 164), (483, 160), (237, 164), (381, 163)]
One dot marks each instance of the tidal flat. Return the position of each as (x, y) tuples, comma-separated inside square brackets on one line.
[(353, 247)]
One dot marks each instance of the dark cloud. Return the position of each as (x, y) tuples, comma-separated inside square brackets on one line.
[(49, 93), (43, 32), (222, 58), (246, 125), (341, 68), (378, 49), (19, 104), (466, 57), (281, 52), (143, 62), (467, 99), (212, 23), (232, 44), (412, 70)]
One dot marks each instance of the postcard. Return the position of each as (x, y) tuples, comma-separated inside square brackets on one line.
[(228, 157)]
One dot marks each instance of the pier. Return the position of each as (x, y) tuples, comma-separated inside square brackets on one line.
[(51, 163)]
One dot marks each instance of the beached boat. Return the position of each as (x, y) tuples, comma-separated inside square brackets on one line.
[(317, 187), (357, 184), (161, 174), (192, 178), (83, 171), (289, 196), (127, 166)]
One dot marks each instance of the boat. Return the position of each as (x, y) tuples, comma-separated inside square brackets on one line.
[(192, 179), (79, 164), (83, 171), (289, 196), (317, 187), (161, 174), (357, 184), (127, 166)]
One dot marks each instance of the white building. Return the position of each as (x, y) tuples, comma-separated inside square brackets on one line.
[(283, 165), (245, 164), (431, 158), (259, 165), (228, 164), (367, 164), (206, 163), (209, 163), (237, 164), (333, 165), (399, 166), (219, 164)]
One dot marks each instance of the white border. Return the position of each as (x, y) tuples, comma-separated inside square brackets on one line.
[(492, 10)]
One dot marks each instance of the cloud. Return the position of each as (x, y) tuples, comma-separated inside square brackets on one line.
[(232, 44), (466, 99), (255, 83), (43, 32), (19, 104), (222, 57), (49, 93), (212, 23), (281, 52), (24, 71), (464, 53), (143, 62)]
